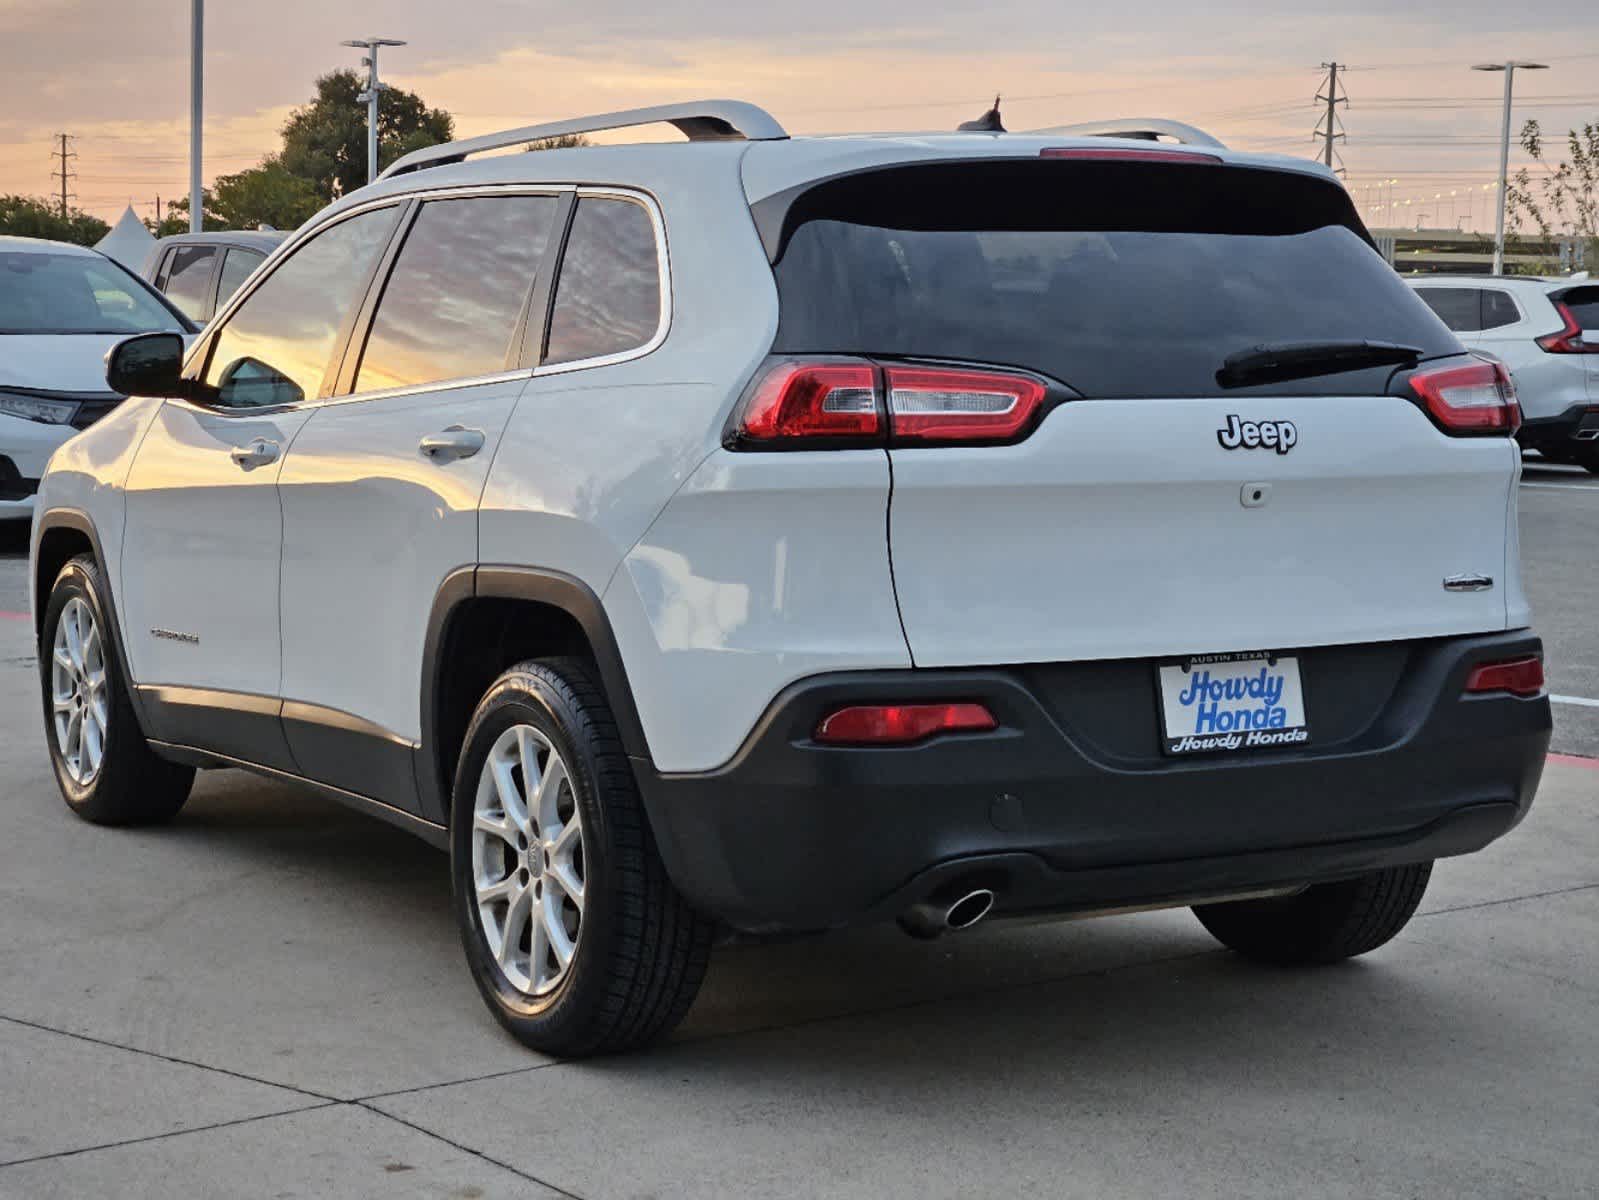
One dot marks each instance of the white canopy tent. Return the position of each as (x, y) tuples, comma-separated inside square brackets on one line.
[(128, 242)]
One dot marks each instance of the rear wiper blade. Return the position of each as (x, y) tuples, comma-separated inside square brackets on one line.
[(1302, 360)]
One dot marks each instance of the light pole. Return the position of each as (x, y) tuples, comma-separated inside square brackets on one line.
[(374, 88), (1509, 68), (196, 108)]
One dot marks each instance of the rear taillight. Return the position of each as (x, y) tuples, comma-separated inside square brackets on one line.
[(1569, 340), (842, 403), (804, 403), (1473, 399), (1521, 677), (937, 405), (900, 724), (1116, 154)]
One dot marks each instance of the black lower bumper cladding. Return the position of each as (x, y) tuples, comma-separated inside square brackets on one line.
[(1071, 804)]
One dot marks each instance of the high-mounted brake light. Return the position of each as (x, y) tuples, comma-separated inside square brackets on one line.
[(900, 724), (1479, 398), (929, 404), (1522, 677), (801, 403), (1115, 154), (1569, 340)]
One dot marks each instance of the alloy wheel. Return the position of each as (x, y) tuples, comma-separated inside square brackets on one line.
[(80, 705), (527, 860)]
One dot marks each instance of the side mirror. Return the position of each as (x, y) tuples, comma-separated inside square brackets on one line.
[(148, 365)]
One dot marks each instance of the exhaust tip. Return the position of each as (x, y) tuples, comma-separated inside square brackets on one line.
[(969, 909)]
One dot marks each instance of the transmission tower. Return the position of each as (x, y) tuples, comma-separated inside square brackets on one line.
[(1330, 129), (64, 174)]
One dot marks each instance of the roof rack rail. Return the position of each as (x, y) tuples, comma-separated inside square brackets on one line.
[(1147, 129), (699, 120)]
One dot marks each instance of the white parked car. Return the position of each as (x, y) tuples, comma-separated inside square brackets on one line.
[(199, 272), (783, 533), (1546, 331), (61, 308)]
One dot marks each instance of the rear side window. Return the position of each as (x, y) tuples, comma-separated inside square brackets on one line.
[(1584, 305), (275, 347), (458, 291), (1457, 307), (236, 268), (1498, 309), (608, 298), (1117, 279), (188, 283)]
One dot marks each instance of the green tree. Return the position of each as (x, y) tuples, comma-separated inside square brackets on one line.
[(29, 216), (561, 141), (1559, 198), (324, 142)]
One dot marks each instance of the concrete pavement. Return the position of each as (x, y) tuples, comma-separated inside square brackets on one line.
[(267, 999)]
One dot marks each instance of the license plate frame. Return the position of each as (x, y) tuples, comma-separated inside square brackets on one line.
[(1268, 715)]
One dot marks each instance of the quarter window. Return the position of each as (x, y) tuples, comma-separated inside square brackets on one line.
[(275, 347), (458, 291), (188, 283), (608, 298), (1498, 309), (1458, 308)]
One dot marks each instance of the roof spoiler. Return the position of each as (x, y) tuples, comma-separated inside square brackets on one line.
[(698, 120), (1146, 129)]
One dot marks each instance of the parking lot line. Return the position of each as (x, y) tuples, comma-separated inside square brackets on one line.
[(1574, 760), (1580, 701), (11, 616)]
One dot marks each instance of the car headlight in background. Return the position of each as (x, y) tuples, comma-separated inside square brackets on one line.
[(38, 408)]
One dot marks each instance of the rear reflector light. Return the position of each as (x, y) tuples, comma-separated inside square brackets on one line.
[(798, 402), (1522, 677), (1114, 154), (1569, 340), (841, 403), (1475, 399), (900, 724), (935, 405)]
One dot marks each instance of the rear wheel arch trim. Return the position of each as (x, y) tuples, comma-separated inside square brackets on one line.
[(539, 585)]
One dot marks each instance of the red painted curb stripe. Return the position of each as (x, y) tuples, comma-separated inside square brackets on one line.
[(11, 616), (1575, 760)]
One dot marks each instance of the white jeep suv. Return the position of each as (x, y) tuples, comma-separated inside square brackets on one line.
[(773, 534)]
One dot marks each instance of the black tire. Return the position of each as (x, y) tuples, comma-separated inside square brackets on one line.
[(133, 786), (1587, 457), (642, 950), (1326, 923)]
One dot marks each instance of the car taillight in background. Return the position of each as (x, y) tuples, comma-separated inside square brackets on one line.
[(1522, 677), (1569, 340), (800, 404), (1479, 398)]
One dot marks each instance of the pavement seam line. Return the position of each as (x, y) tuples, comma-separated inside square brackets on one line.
[(464, 1149), (168, 1058), (170, 1133), (444, 1083), (1438, 912)]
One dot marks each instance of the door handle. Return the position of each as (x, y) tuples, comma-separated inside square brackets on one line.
[(257, 453), (455, 442)]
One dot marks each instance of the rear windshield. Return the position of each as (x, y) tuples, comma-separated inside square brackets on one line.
[(1117, 279), (1584, 305), (41, 292)]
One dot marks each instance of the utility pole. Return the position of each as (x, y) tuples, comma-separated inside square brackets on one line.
[(64, 174), (196, 110), (374, 88), (1333, 97), (1509, 68)]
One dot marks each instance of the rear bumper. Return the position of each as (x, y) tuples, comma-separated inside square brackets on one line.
[(1579, 423), (1070, 804)]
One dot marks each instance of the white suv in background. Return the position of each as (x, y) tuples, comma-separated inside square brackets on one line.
[(1546, 331), (776, 534)]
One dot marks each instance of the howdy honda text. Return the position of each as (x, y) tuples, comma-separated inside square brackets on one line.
[(1233, 702), (1280, 436)]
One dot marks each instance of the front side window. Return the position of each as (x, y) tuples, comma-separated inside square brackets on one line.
[(459, 286), (1458, 308), (236, 268), (608, 298), (188, 279), (276, 346), (76, 293)]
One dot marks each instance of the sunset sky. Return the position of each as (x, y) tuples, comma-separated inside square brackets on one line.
[(114, 73)]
